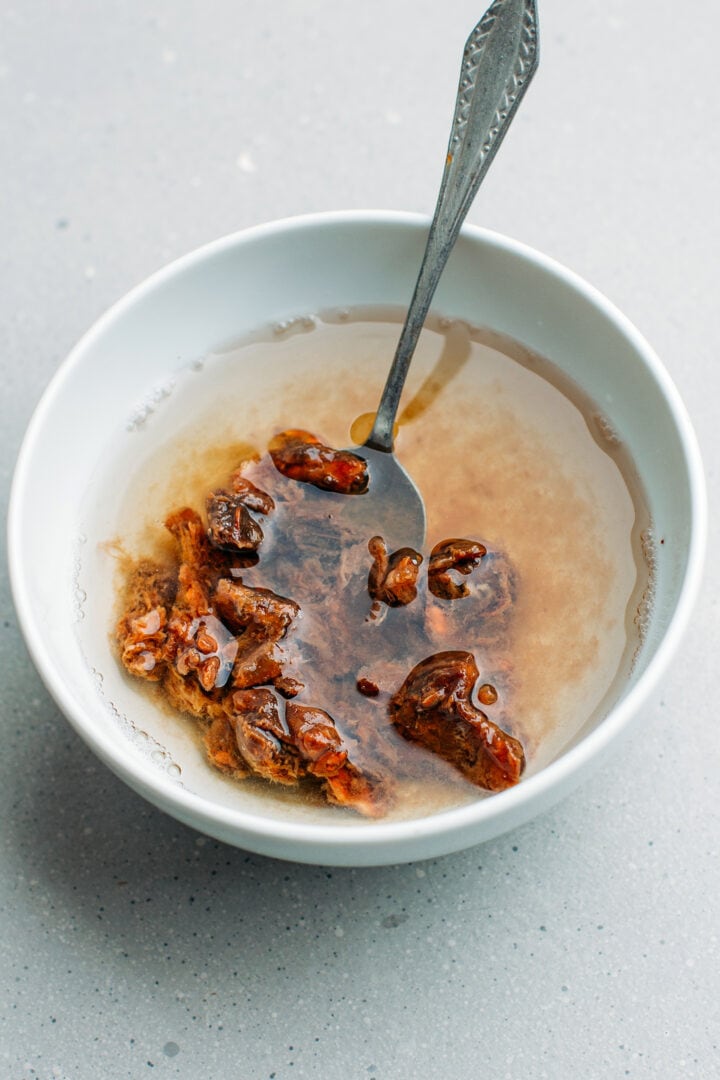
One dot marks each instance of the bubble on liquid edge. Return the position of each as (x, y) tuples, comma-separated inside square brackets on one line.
[(149, 405), (643, 613), (79, 595), (648, 546), (605, 429), (296, 325)]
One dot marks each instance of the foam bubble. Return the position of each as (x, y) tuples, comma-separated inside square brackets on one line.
[(149, 404)]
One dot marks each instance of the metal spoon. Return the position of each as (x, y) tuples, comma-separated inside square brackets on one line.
[(500, 59)]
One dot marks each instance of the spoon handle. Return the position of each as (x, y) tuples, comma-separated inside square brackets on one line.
[(500, 59)]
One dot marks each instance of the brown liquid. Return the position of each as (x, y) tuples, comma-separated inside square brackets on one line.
[(504, 448)]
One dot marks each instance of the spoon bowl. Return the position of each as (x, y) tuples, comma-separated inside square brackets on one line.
[(392, 507)]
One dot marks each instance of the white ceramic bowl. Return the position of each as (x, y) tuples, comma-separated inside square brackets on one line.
[(61, 509)]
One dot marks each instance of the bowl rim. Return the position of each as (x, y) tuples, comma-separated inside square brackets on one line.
[(511, 805)]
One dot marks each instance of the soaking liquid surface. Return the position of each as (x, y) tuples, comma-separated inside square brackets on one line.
[(504, 449)]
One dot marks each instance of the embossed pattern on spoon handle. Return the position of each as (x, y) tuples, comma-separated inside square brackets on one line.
[(500, 59)]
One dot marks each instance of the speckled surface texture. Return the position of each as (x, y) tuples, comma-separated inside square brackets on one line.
[(582, 945)]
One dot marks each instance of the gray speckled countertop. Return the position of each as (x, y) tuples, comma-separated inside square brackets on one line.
[(582, 945)]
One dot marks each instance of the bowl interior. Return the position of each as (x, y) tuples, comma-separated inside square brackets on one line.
[(106, 408)]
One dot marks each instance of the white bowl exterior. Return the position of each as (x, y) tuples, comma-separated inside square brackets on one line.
[(291, 268)]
